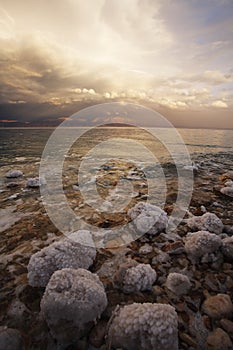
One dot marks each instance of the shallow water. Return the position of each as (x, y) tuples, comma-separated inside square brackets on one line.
[(26, 144)]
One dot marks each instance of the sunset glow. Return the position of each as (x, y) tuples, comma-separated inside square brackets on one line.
[(173, 56)]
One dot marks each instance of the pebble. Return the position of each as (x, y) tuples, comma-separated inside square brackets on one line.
[(177, 283), (218, 306), (10, 339), (146, 249), (14, 174), (227, 325), (219, 340), (227, 248)]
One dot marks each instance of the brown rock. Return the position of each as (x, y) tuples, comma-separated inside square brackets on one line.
[(227, 176), (227, 325), (218, 306), (219, 340), (10, 339), (97, 334), (174, 248), (187, 339)]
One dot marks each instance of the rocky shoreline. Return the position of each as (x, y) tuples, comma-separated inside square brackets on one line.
[(203, 323)]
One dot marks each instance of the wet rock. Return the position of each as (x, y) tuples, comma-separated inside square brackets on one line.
[(72, 302), (179, 284), (144, 327), (68, 252), (218, 306), (219, 340), (10, 339), (14, 174)]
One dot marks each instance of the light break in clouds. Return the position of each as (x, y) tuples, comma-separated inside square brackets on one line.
[(174, 56)]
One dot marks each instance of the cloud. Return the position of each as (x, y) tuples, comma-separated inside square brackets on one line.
[(8, 121), (174, 55), (219, 104)]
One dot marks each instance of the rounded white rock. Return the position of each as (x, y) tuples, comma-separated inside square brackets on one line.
[(72, 302), (139, 278), (179, 284), (148, 218), (157, 331), (202, 242), (66, 253)]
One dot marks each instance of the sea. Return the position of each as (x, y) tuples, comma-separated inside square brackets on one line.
[(27, 144)]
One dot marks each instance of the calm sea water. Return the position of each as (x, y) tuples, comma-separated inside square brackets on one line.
[(27, 144)]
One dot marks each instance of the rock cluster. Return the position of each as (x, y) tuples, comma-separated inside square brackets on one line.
[(207, 222)]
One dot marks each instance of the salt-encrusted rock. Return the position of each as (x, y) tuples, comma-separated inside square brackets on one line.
[(146, 249), (214, 259), (218, 306), (148, 218), (144, 327), (14, 173), (227, 191), (219, 340), (10, 339), (160, 257), (207, 222), (139, 278), (68, 252), (35, 182), (72, 302), (227, 248), (200, 243), (179, 284), (133, 277), (228, 183)]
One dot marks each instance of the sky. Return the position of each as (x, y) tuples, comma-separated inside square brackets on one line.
[(174, 56)]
